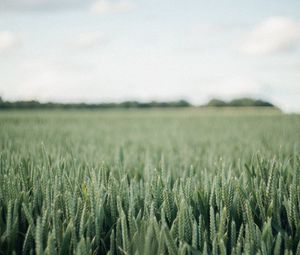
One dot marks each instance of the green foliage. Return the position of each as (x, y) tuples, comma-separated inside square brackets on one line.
[(240, 102), (149, 182), (32, 104)]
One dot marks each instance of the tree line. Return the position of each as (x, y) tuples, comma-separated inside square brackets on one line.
[(33, 104), (239, 102)]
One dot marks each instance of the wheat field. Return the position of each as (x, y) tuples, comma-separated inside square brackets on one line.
[(189, 181)]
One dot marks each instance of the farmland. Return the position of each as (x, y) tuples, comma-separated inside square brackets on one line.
[(185, 181)]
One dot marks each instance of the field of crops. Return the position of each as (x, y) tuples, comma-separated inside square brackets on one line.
[(149, 182)]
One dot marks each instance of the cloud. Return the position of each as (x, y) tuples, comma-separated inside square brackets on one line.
[(47, 80), (90, 40), (105, 6), (8, 40), (95, 6), (274, 35), (41, 5), (25, 5)]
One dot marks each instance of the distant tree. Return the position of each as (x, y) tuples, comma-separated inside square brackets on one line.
[(126, 104), (216, 103), (182, 103), (249, 102), (239, 102), (263, 103)]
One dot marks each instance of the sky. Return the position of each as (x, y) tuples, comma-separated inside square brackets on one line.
[(116, 50)]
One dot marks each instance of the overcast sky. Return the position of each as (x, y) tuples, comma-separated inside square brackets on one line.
[(86, 50)]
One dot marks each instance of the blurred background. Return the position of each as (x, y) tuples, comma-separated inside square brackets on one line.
[(114, 50)]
